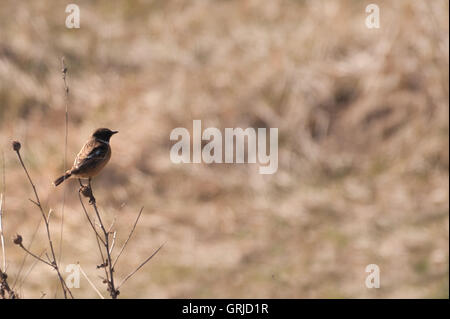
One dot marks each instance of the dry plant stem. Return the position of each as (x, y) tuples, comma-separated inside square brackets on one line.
[(35, 256), (89, 219), (22, 281), (139, 267), (4, 288), (97, 235), (111, 287), (129, 236), (90, 282), (107, 264), (2, 201), (113, 243), (53, 263), (66, 133), (113, 292), (22, 264), (2, 239)]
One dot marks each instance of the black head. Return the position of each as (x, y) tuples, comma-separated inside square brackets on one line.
[(104, 134)]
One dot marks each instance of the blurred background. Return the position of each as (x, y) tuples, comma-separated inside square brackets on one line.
[(362, 114)]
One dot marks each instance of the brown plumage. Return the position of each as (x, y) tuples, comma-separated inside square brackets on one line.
[(94, 155)]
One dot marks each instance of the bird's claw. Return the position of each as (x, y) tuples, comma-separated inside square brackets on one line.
[(87, 192)]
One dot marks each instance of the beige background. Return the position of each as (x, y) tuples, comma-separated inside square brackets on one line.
[(363, 144)]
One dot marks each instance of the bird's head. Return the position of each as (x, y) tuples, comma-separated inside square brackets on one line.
[(104, 134)]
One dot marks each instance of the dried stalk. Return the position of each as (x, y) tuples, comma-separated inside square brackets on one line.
[(139, 267), (90, 282), (5, 291), (87, 192), (66, 133), (4, 286), (2, 239), (53, 263), (129, 236), (107, 263)]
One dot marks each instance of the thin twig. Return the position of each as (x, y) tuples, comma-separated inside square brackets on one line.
[(113, 243), (29, 271), (97, 235), (2, 201), (90, 282), (19, 272), (89, 219), (1, 234), (140, 266), (4, 287), (66, 133), (37, 202), (103, 263), (87, 191), (129, 236), (112, 225), (112, 289), (35, 256), (54, 264), (107, 263)]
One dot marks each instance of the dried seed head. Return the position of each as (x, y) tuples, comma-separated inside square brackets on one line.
[(18, 240), (16, 146)]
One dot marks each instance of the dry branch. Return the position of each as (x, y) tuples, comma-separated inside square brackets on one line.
[(106, 263), (53, 263)]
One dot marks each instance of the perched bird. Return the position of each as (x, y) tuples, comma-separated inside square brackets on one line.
[(94, 155)]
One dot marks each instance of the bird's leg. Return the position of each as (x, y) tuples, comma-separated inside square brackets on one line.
[(81, 184)]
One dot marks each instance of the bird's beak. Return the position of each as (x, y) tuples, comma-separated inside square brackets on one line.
[(114, 132)]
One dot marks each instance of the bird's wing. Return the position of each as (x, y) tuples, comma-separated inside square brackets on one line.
[(91, 153)]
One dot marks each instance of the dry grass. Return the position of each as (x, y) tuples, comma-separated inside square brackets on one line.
[(363, 143)]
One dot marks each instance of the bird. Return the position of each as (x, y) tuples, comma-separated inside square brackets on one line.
[(91, 159)]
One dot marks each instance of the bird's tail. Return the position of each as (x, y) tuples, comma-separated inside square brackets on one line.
[(62, 178)]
